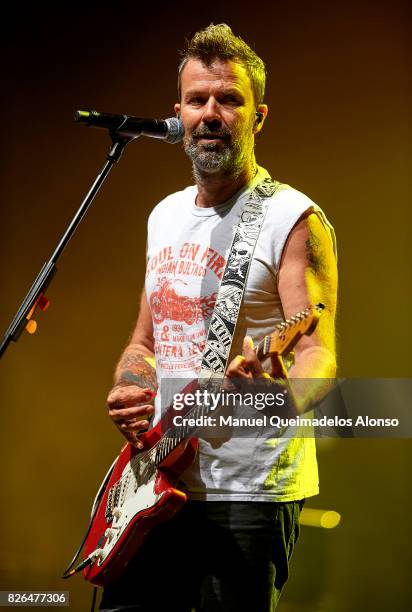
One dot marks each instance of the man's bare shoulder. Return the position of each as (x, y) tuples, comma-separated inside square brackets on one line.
[(312, 242)]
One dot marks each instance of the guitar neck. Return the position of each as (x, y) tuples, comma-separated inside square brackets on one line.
[(287, 333)]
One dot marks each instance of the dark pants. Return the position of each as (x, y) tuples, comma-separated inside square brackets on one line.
[(212, 557)]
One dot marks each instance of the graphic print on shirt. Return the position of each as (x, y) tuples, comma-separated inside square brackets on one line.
[(166, 303), (182, 286)]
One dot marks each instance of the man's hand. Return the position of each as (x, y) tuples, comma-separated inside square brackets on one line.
[(249, 366), (130, 410)]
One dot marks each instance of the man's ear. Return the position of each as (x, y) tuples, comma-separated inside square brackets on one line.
[(177, 109), (261, 114)]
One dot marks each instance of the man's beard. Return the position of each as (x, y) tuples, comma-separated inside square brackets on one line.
[(209, 158)]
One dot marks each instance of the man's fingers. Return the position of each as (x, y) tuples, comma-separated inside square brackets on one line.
[(246, 365), (131, 422), (133, 439), (252, 363), (237, 368), (131, 412), (129, 394), (249, 366), (248, 348), (133, 425)]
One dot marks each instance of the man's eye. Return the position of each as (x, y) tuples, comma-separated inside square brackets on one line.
[(196, 100), (232, 100)]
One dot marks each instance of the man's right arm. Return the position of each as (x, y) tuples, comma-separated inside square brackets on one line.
[(135, 382)]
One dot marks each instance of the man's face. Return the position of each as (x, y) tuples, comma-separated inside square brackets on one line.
[(219, 114)]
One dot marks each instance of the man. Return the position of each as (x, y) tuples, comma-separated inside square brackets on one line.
[(229, 548)]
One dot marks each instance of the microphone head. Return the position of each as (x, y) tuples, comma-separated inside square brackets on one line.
[(175, 130)]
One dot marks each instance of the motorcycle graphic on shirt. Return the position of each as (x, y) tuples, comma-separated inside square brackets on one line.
[(167, 303)]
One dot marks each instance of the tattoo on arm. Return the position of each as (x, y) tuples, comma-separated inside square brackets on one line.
[(133, 369), (314, 253)]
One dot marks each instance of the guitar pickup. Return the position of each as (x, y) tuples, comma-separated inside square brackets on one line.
[(112, 501)]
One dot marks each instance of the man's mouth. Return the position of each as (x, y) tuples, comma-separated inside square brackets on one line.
[(206, 140), (209, 137)]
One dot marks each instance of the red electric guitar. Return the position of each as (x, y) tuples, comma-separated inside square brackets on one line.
[(139, 491)]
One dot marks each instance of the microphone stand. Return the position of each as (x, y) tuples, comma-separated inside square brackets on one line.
[(36, 298)]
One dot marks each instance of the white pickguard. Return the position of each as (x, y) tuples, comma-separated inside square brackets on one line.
[(136, 494)]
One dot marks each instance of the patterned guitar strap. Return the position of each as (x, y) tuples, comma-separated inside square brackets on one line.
[(225, 315)]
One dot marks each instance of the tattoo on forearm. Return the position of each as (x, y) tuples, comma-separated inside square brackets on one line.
[(133, 369), (314, 254)]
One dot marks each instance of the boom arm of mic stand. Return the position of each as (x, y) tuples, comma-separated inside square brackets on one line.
[(36, 298)]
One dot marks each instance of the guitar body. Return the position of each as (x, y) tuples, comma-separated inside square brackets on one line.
[(138, 496)]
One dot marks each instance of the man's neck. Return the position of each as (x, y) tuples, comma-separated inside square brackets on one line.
[(214, 189)]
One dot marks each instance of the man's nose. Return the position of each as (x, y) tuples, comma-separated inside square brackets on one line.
[(211, 112)]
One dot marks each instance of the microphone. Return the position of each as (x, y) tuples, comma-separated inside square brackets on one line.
[(171, 129)]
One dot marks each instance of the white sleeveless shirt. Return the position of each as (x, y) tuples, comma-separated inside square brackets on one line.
[(187, 251)]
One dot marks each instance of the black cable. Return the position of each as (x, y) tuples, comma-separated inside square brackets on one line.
[(67, 573), (94, 599)]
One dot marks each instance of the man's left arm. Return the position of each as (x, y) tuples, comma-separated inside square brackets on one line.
[(307, 276)]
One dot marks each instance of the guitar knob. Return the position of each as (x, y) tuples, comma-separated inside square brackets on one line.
[(117, 513), (109, 533)]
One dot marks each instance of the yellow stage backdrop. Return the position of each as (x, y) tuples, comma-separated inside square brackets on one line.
[(337, 130)]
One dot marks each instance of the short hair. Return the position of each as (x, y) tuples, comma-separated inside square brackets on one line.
[(217, 42)]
